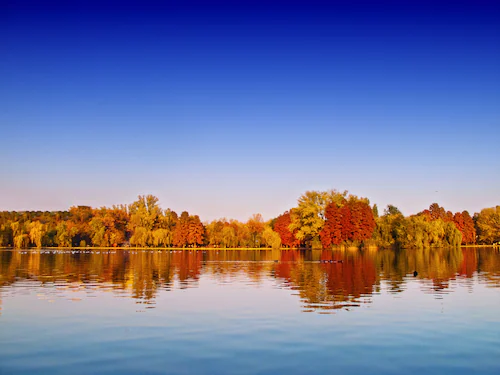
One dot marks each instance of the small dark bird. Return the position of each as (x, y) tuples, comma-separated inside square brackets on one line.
[(415, 273)]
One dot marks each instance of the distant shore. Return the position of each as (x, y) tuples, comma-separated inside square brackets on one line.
[(351, 248)]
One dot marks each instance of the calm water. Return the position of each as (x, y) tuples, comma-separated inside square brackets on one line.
[(250, 312)]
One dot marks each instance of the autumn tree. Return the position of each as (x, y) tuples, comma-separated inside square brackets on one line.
[(196, 231), (20, 234), (5, 233), (214, 232), (145, 217), (36, 233), (271, 238), (384, 233), (331, 233), (163, 235), (347, 221), (255, 227), (308, 217), (65, 231), (81, 217), (229, 238), (417, 231), (182, 230), (242, 234), (108, 226), (488, 225), (392, 210), (282, 227), (465, 225)]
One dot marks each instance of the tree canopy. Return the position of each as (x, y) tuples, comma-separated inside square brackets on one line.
[(320, 219)]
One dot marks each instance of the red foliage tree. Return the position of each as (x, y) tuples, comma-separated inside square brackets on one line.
[(362, 221), (465, 224), (353, 221), (346, 227), (181, 232), (281, 226), (331, 234), (437, 212)]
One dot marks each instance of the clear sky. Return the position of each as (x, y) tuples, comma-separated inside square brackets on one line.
[(226, 109)]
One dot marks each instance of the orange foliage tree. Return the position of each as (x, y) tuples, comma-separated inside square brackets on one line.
[(282, 227), (353, 221)]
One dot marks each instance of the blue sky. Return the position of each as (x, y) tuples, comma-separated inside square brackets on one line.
[(232, 108)]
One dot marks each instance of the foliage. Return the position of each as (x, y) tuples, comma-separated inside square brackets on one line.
[(488, 225), (417, 231), (392, 210), (255, 227), (271, 238), (308, 218), (349, 222), (320, 219), (465, 225), (282, 227)]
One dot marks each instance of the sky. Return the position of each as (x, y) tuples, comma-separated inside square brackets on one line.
[(226, 109)]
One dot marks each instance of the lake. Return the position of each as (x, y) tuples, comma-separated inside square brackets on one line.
[(250, 312)]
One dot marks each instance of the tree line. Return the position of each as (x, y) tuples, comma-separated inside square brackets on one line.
[(321, 219)]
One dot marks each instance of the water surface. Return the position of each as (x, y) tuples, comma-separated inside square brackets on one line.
[(250, 312)]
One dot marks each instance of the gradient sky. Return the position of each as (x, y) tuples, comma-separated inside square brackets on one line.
[(234, 108)]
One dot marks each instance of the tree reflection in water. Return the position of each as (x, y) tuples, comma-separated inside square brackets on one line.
[(324, 279)]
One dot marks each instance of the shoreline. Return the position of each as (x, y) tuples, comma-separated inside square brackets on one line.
[(121, 248)]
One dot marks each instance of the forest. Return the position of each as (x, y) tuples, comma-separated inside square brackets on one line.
[(321, 219)]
